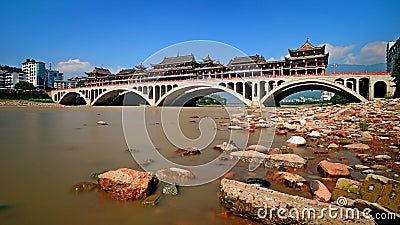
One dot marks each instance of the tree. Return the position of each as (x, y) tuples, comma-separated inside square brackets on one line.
[(80, 83), (396, 77), (339, 99), (23, 85)]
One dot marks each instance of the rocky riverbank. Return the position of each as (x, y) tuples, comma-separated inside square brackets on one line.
[(342, 157), (367, 133)]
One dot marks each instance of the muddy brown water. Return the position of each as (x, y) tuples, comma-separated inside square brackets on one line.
[(44, 151)]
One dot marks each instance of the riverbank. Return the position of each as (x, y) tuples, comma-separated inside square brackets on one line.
[(26, 103)]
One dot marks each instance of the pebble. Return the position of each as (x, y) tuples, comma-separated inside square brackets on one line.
[(382, 157), (361, 167), (369, 171)]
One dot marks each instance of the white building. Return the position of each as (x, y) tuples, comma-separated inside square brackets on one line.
[(9, 79), (392, 53), (326, 95), (59, 84), (35, 72)]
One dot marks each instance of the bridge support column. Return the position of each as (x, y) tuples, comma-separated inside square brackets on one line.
[(357, 86)]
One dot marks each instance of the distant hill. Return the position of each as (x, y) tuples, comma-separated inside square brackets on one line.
[(379, 67), (305, 94)]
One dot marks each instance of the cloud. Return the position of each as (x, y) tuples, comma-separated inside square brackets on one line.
[(338, 52), (116, 70), (74, 67), (371, 53)]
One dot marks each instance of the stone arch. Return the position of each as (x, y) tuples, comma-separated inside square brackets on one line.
[(183, 94), (339, 81), (73, 98), (280, 92), (380, 89), (280, 82), (239, 88), (117, 97), (351, 83)]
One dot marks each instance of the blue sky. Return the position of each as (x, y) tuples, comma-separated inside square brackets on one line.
[(76, 35)]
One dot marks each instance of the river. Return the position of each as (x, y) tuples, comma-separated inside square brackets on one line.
[(45, 151)]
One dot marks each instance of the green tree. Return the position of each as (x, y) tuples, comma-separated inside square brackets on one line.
[(23, 85), (339, 99), (80, 83), (396, 77)]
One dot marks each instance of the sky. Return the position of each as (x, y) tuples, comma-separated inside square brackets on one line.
[(76, 35)]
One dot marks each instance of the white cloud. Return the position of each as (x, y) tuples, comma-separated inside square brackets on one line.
[(74, 67), (338, 52), (116, 70), (371, 53)]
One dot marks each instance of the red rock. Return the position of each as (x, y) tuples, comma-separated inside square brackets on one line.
[(124, 183), (281, 132), (229, 174), (320, 191), (275, 151), (333, 169), (321, 115), (285, 178), (194, 116)]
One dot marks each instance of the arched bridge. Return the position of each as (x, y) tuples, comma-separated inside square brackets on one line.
[(266, 90)]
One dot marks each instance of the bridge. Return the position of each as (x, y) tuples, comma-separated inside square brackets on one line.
[(251, 90)]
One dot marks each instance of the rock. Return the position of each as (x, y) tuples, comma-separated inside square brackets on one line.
[(291, 126), (175, 175), (345, 142), (382, 190), (364, 139), (289, 160), (314, 134), (194, 117), (275, 151), (101, 122), (379, 167), (234, 127), (258, 148), (258, 181), (333, 146), (281, 132), (85, 186), (346, 188), (296, 141), (333, 169), (366, 134), (360, 167), (231, 147), (254, 203), (124, 183), (170, 189), (152, 199), (320, 191), (382, 158), (287, 179), (187, 151), (357, 146), (369, 171)]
